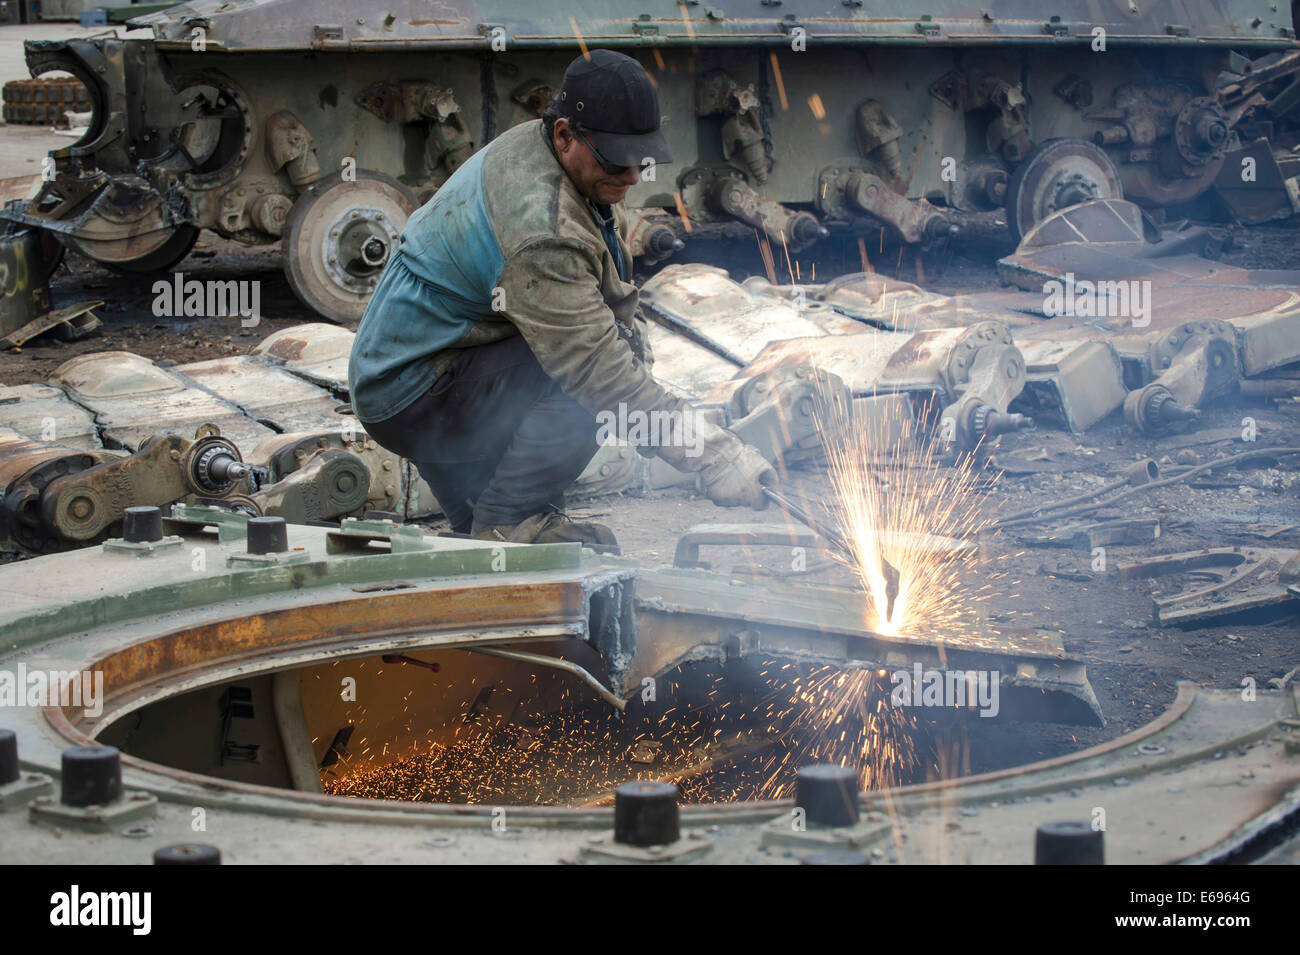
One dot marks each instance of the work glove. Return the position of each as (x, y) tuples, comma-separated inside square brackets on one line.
[(732, 473), (736, 476)]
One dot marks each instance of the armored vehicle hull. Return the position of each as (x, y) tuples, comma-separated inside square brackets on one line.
[(322, 126)]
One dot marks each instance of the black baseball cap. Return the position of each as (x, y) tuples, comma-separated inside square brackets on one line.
[(610, 95)]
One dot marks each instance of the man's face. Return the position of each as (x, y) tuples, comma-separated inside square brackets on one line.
[(584, 169)]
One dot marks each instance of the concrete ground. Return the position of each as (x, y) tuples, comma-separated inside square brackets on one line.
[(12, 37), (23, 147)]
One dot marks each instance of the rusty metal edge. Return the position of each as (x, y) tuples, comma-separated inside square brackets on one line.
[(345, 808)]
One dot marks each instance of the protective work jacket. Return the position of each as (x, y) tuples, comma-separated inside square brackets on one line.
[(507, 246)]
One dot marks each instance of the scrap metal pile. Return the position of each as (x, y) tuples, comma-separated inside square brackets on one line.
[(1111, 314)]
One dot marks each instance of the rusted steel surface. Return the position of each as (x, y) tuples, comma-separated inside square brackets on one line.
[(225, 148), (317, 352), (506, 612), (1218, 582), (1084, 380), (992, 360), (261, 24), (148, 655), (859, 360)]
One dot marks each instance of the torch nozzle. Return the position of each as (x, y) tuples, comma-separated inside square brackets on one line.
[(833, 537)]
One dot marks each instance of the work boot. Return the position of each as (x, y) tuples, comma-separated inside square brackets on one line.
[(550, 528)]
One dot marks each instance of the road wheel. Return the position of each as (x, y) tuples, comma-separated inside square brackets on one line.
[(1059, 173), (339, 236)]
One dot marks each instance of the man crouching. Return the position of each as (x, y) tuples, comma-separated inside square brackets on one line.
[(506, 322)]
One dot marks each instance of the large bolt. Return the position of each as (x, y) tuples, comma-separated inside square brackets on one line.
[(187, 853), (994, 185), (1068, 843), (92, 775), (227, 469), (267, 535), (363, 248), (937, 227), (9, 771), (828, 795), (142, 525), (645, 814), (1002, 422), (218, 467)]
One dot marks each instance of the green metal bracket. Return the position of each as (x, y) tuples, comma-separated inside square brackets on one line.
[(189, 520), (357, 535)]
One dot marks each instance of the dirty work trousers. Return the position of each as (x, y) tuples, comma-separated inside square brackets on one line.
[(495, 438)]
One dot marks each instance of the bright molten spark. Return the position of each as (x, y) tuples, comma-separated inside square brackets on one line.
[(895, 499)]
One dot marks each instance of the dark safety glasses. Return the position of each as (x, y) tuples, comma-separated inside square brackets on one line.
[(609, 168)]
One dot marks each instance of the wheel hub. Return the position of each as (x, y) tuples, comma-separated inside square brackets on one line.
[(1058, 174), (339, 236), (1071, 189), (357, 249), (1201, 132)]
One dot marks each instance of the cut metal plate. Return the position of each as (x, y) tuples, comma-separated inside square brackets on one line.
[(1221, 581), (268, 393), (685, 615), (705, 305), (45, 413), (133, 398)]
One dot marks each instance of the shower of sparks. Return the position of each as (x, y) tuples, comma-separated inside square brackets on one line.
[(686, 20), (765, 251), (738, 738), (893, 498), (842, 717), (736, 733), (785, 246)]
